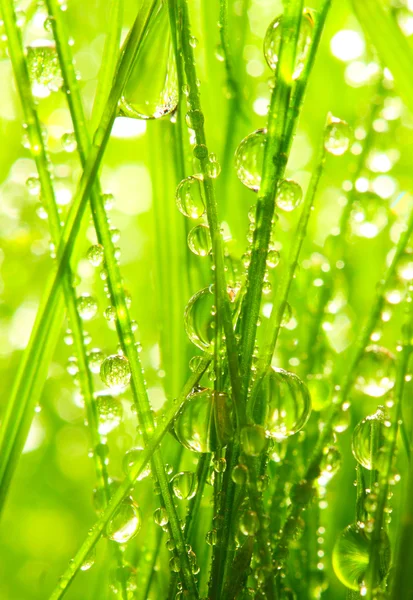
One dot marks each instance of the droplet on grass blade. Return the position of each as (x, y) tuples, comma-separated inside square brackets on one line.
[(189, 197), (286, 402), (44, 69), (249, 159), (151, 91), (199, 319), (87, 307), (337, 136), (370, 441), (289, 195), (109, 411), (272, 41), (205, 423), (132, 458), (376, 372), (369, 215), (184, 485), (126, 522), (115, 372), (199, 240), (351, 557)]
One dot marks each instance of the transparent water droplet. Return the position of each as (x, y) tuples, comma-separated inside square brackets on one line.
[(273, 258), (249, 523), (87, 307), (376, 372), (286, 401), (33, 186), (124, 578), (95, 255), (369, 215), (199, 240), (337, 137), (160, 516), (239, 474), (109, 411), (249, 159), (184, 485), (205, 423), (126, 522), (211, 537), (69, 143), (220, 465), (194, 119), (190, 197), (213, 168), (175, 564), (272, 42), (351, 557), (151, 91), (44, 69), (131, 459), (199, 319), (89, 560), (404, 267), (95, 358), (370, 441), (115, 372), (253, 440), (289, 195)]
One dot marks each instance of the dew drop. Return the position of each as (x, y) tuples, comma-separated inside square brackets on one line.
[(249, 523), (33, 186), (131, 459), (272, 42), (369, 216), (376, 372), (253, 440), (199, 240), (69, 143), (351, 557), (87, 307), (249, 159), (44, 69), (189, 197), (95, 358), (95, 255), (405, 266), (109, 411), (205, 423), (126, 522), (184, 485), (151, 91), (160, 516), (199, 319), (370, 439), (123, 578), (115, 372), (89, 560), (289, 195), (337, 137), (286, 401)]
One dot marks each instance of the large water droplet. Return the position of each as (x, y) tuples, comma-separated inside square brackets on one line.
[(370, 439), (351, 557), (286, 402), (369, 215), (44, 69), (189, 197), (133, 457), (95, 255), (152, 88), (87, 307), (109, 411), (205, 423), (199, 319), (337, 137), (249, 159), (272, 42), (126, 522), (376, 372), (184, 485), (199, 240), (249, 523), (289, 195), (115, 372)]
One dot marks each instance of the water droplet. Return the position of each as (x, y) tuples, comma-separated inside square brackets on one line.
[(151, 91), (273, 258), (131, 459), (369, 215), (189, 197), (213, 168), (89, 560), (239, 474), (329, 465), (174, 564), (405, 266), (337, 137), (87, 307), (109, 411), (126, 522), (370, 439), (160, 516), (44, 69), (115, 372), (200, 151), (351, 557), (184, 485), (249, 523), (272, 42), (253, 440), (289, 195), (249, 159), (199, 319), (199, 240), (205, 423), (122, 578), (33, 186), (95, 358), (220, 465), (95, 255), (286, 401), (194, 119), (211, 537), (69, 143), (376, 372)]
